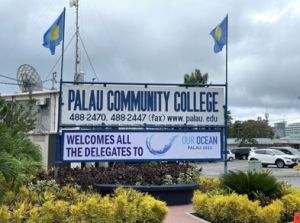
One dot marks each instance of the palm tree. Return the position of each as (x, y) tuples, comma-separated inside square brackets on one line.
[(196, 77), (19, 157), (6, 172)]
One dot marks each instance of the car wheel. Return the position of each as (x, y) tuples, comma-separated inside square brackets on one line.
[(244, 157), (230, 158), (264, 165), (279, 163)]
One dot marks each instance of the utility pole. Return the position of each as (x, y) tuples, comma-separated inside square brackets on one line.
[(77, 78)]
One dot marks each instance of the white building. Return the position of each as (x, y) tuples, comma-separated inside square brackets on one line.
[(292, 129), (46, 108), (279, 129)]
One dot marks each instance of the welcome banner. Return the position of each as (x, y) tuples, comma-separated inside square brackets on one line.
[(127, 146)]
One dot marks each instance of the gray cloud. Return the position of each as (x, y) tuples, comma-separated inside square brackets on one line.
[(160, 41)]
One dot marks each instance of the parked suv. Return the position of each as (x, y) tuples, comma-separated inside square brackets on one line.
[(273, 157), (289, 151), (242, 152)]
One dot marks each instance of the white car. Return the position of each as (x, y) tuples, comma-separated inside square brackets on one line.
[(230, 155), (289, 151), (273, 157)]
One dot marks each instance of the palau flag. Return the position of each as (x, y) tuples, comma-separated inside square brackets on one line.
[(54, 35), (220, 35)]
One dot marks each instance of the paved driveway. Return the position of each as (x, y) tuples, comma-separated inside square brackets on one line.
[(216, 169)]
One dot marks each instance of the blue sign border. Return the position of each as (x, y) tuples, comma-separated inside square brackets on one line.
[(142, 128), (143, 160), (146, 85)]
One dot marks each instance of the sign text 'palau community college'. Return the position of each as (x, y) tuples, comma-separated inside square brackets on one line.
[(137, 105)]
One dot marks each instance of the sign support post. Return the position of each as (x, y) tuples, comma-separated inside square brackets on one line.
[(58, 139), (226, 104)]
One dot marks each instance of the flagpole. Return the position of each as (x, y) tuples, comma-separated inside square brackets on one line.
[(226, 99), (58, 143)]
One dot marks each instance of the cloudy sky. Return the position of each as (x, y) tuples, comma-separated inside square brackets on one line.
[(158, 41)]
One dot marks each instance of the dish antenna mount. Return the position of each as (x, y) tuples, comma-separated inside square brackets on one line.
[(28, 79)]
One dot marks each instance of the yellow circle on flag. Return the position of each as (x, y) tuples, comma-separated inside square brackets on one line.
[(218, 33), (55, 33)]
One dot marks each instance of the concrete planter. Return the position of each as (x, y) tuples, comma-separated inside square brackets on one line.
[(172, 194)]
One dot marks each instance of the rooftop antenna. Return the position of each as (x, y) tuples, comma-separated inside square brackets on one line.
[(267, 114), (78, 76)]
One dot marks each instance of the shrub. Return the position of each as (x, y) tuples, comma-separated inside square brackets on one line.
[(291, 203), (209, 183), (4, 214), (125, 174), (297, 167), (201, 204), (258, 186), (52, 211), (270, 213), (151, 210), (225, 208), (44, 185), (125, 205), (20, 212), (168, 180), (190, 176), (232, 206), (70, 205), (93, 209), (235, 208)]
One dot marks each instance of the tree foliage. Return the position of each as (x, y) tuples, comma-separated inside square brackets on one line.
[(247, 131), (17, 116), (19, 157), (196, 77), (229, 119)]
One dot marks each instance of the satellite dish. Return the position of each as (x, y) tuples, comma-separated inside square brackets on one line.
[(28, 79)]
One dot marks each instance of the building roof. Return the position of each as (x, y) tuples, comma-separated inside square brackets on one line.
[(295, 136), (268, 141), (27, 93)]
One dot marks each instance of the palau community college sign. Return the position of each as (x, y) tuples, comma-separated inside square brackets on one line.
[(177, 110)]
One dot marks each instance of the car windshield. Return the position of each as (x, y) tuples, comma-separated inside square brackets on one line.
[(277, 152), (295, 151)]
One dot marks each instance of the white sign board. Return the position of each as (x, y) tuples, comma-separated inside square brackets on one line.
[(133, 146), (137, 105)]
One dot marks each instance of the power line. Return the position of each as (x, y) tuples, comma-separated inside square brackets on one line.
[(1, 75), (46, 79), (8, 83)]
